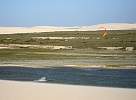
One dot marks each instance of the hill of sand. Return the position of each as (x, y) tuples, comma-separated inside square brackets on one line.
[(109, 26)]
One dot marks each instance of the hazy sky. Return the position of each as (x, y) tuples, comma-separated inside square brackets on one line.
[(66, 12)]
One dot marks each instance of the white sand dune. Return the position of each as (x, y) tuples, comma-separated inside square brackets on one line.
[(12, 90), (109, 26)]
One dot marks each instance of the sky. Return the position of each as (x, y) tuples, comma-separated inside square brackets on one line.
[(66, 12)]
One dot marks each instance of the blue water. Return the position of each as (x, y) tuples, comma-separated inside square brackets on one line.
[(125, 78)]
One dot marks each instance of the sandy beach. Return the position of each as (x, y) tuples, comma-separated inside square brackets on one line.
[(14, 90), (67, 50)]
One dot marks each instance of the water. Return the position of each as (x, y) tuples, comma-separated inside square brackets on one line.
[(125, 78)]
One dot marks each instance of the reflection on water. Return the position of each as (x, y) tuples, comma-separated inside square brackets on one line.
[(80, 76)]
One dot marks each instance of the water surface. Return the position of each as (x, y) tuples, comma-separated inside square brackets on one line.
[(125, 78)]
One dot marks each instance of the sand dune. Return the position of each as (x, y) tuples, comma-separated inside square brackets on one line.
[(112, 26), (12, 90)]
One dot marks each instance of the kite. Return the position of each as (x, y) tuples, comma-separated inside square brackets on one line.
[(104, 33)]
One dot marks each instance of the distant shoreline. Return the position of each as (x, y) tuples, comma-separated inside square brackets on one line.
[(41, 64)]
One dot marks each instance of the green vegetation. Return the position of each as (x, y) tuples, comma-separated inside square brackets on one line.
[(82, 48), (114, 38)]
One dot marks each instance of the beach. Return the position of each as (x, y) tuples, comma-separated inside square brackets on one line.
[(67, 50), (15, 90)]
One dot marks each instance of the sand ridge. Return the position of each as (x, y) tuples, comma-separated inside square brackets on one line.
[(108, 26)]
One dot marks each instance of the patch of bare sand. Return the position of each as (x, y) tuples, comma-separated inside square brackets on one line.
[(12, 90)]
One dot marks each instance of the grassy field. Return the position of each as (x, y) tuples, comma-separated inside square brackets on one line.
[(114, 38), (82, 49)]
